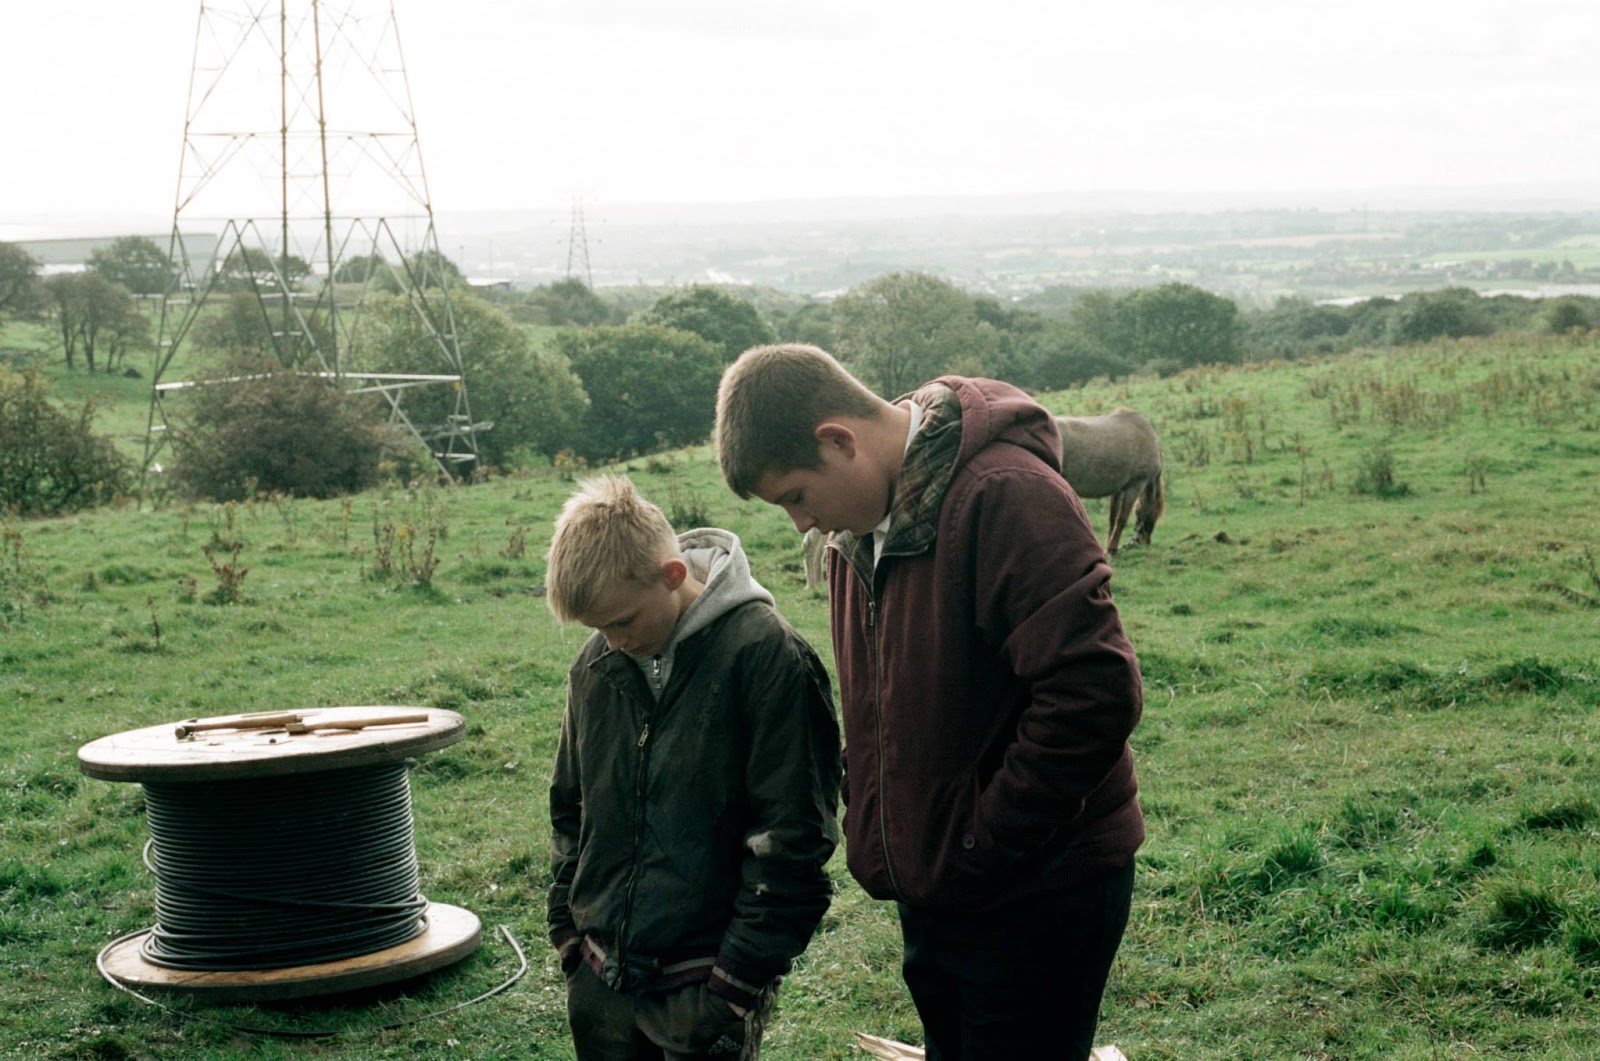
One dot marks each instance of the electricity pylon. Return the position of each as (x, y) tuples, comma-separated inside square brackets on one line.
[(301, 156), (578, 245)]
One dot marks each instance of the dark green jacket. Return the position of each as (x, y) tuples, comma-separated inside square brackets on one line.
[(690, 834)]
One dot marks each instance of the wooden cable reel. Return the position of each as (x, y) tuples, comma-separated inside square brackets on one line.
[(283, 854)]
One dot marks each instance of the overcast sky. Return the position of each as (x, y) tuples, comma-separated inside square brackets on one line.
[(528, 103)]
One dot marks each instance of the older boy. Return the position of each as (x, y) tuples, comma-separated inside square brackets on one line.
[(695, 788), (987, 688)]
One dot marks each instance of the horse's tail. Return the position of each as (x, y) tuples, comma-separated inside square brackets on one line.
[(1152, 503)]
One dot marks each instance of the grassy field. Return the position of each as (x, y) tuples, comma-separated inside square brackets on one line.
[(1369, 626), (1582, 253)]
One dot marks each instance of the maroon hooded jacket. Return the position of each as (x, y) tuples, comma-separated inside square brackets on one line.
[(988, 690)]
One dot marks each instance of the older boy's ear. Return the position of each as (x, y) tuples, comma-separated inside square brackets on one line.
[(831, 433), (674, 571)]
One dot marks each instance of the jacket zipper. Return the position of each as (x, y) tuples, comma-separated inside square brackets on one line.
[(633, 872), (875, 656)]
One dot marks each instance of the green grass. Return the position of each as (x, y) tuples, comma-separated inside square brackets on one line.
[(1367, 757)]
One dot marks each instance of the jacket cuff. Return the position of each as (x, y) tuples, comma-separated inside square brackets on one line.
[(567, 942), (727, 983)]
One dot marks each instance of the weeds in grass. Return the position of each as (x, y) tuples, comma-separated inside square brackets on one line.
[(686, 507), (383, 540), (285, 508), (155, 621), (1189, 447), (517, 545), (568, 465), (1302, 453), (1236, 432), (225, 531), (22, 583), (1476, 469), (408, 551), (1375, 474), (420, 564), (230, 575)]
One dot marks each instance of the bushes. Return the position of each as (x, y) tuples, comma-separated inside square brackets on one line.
[(530, 395), (301, 435), (1448, 314), (731, 323), (649, 387), (50, 461)]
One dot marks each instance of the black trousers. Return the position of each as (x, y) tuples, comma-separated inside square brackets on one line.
[(1022, 981), (684, 1024)]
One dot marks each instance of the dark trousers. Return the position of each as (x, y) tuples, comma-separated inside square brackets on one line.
[(683, 1024), (1021, 981)]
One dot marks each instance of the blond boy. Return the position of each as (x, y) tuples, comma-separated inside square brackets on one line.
[(986, 686), (695, 786)]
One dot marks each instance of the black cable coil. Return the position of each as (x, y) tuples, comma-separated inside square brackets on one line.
[(270, 873)]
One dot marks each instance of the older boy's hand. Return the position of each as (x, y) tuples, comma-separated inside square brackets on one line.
[(738, 1011)]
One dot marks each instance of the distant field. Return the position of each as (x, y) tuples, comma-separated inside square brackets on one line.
[(1367, 627), (1582, 253)]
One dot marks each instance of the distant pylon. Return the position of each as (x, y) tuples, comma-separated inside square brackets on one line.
[(578, 245), (301, 158)]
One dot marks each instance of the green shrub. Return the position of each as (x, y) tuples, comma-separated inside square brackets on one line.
[(284, 432), (50, 460), (1375, 475)]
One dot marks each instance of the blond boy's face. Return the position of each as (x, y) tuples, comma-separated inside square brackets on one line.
[(635, 619)]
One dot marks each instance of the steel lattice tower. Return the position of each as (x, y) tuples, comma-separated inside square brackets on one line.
[(301, 168), (578, 246)]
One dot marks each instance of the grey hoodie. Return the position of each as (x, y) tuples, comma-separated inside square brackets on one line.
[(716, 558)]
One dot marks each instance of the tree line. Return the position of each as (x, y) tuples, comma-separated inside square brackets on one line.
[(607, 375)]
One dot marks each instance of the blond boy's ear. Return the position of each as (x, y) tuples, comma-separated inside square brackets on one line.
[(673, 572)]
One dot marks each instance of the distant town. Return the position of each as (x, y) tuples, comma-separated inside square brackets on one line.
[(1003, 248)]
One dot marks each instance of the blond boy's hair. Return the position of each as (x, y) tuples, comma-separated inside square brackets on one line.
[(769, 404), (606, 535)]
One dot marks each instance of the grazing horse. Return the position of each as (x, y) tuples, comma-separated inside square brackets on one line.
[(1115, 456), (814, 545)]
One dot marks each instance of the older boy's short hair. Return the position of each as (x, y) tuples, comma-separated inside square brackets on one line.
[(606, 535), (769, 404)]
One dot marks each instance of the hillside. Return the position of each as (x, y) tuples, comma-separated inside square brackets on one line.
[(1366, 625)]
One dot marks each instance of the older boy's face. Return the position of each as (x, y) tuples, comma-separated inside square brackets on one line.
[(634, 619), (838, 496)]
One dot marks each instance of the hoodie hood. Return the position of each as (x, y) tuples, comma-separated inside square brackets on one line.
[(961, 417), (994, 411), (717, 559)]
